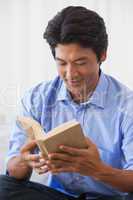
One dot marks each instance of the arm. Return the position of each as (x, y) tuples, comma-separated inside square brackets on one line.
[(17, 164), (120, 179), (22, 165), (87, 162)]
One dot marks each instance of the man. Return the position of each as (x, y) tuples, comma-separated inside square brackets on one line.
[(103, 106)]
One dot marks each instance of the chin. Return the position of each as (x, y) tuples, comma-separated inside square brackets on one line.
[(74, 89)]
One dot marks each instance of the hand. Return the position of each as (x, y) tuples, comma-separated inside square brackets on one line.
[(34, 161), (87, 162)]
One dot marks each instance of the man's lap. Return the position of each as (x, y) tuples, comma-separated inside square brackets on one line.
[(13, 189)]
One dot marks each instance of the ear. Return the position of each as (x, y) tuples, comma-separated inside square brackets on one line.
[(103, 56)]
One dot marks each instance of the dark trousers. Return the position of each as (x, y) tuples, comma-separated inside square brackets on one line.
[(13, 189)]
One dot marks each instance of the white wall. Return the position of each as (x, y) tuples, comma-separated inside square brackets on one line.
[(25, 58)]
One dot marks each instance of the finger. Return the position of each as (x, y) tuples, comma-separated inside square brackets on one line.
[(61, 156), (72, 151), (89, 142), (42, 170), (39, 164), (29, 146), (34, 165), (63, 169), (41, 160), (43, 156), (52, 165), (32, 157)]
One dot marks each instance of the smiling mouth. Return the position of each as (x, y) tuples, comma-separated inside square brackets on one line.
[(73, 82)]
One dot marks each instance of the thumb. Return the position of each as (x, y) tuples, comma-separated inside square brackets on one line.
[(29, 146), (89, 142)]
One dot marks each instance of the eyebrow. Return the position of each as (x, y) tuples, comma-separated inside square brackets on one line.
[(78, 59)]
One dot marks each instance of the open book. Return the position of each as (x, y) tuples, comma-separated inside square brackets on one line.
[(68, 133)]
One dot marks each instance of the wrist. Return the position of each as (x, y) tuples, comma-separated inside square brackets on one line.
[(103, 172)]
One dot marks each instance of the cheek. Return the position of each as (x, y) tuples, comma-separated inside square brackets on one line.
[(85, 73), (90, 71), (89, 76)]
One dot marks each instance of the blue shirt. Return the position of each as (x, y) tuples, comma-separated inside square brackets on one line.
[(106, 118)]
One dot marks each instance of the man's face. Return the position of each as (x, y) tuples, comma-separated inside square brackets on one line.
[(78, 67)]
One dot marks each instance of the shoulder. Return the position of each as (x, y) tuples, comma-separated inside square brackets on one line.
[(39, 95), (116, 85), (120, 97), (118, 90), (42, 89)]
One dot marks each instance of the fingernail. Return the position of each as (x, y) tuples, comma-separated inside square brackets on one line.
[(44, 167), (47, 162), (42, 160), (49, 156)]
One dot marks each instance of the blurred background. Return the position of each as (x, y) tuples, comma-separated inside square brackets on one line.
[(25, 58)]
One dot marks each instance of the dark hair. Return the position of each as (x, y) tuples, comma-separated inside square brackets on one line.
[(76, 24)]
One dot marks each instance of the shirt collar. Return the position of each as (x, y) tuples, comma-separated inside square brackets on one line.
[(98, 97)]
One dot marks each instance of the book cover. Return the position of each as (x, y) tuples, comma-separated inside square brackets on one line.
[(69, 133)]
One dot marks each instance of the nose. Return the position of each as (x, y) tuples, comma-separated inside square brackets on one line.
[(71, 71)]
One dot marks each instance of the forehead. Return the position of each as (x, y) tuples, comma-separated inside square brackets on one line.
[(72, 51)]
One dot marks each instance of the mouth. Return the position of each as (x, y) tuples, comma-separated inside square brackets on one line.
[(73, 82)]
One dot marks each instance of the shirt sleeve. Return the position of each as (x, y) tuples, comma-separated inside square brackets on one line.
[(127, 134), (30, 106)]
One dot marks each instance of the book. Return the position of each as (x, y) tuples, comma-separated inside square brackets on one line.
[(69, 133)]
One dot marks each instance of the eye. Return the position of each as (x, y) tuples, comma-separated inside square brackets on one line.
[(62, 64), (59, 63), (80, 63)]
